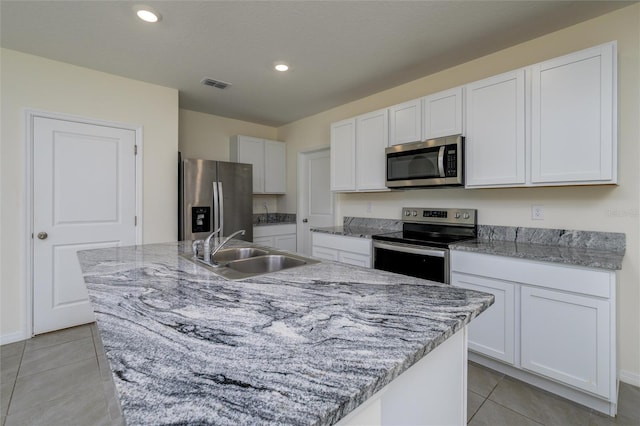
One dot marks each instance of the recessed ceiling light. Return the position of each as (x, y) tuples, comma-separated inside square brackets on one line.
[(147, 15), (281, 67)]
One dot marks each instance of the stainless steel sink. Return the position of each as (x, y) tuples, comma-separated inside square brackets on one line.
[(236, 263), (265, 264), (230, 254)]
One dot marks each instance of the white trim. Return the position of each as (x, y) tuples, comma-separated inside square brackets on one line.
[(16, 336), (29, 116), (299, 237), (629, 377)]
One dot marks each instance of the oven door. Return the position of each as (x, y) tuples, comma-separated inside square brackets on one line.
[(417, 261)]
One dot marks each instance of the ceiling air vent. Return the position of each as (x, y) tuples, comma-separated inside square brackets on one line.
[(215, 83)]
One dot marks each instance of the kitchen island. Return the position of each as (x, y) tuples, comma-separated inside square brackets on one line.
[(305, 345)]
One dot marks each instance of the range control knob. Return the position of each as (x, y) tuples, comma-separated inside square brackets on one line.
[(414, 213), (457, 215), (407, 213), (466, 216)]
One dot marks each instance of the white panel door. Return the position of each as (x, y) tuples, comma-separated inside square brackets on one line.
[(566, 337), (275, 168), (495, 131), (316, 206), (405, 122), (443, 114), (343, 155), (83, 198), (372, 137), (493, 332), (573, 107)]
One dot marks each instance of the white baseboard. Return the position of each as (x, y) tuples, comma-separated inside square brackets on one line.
[(16, 336), (629, 377)]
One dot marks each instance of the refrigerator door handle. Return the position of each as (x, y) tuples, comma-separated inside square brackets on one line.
[(216, 223), (221, 208)]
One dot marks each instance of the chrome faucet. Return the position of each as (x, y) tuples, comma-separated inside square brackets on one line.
[(208, 253)]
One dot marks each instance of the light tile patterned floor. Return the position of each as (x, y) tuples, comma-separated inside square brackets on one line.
[(63, 378)]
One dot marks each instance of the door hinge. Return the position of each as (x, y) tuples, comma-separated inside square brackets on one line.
[(135, 220), (135, 150)]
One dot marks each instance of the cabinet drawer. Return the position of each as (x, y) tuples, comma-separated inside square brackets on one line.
[(355, 259), (324, 253), (593, 282), (343, 243), (272, 230)]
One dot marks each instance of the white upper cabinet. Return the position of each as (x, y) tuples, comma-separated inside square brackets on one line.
[(275, 159), (268, 159), (372, 137), (495, 131), (573, 131), (343, 155), (358, 160), (405, 122), (442, 114)]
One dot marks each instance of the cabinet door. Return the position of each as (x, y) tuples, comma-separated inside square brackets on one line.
[(343, 155), (492, 333), (372, 137), (443, 114), (251, 150), (566, 337), (275, 168), (405, 122), (354, 259), (573, 118), (285, 242), (495, 131)]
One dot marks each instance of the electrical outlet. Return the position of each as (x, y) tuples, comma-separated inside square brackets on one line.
[(537, 212)]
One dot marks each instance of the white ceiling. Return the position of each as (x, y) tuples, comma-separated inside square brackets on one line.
[(339, 51)]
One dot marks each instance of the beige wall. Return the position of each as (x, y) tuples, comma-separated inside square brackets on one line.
[(602, 208), (37, 83), (207, 136)]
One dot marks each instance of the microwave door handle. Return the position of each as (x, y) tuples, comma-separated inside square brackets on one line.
[(441, 161)]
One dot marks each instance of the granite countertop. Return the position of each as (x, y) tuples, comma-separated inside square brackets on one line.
[(601, 250), (351, 231), (301, 346)]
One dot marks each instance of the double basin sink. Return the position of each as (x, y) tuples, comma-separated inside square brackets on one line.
[(237, 263)]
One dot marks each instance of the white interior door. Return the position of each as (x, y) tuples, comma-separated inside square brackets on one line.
[(316, 199), (84, 197)]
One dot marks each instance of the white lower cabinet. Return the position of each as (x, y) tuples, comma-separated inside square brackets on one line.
[(352, 250), (282, 237), (566, 337), (492, 333), (551, 325)]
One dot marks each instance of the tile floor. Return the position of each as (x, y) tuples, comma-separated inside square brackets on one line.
[(63, 378)]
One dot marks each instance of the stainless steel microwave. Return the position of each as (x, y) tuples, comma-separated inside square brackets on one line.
[(434, 162)]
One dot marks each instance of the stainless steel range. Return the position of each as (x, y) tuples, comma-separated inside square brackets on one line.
[(421, 249)]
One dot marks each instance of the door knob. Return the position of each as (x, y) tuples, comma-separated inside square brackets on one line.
[(305, 220), (42, 235)]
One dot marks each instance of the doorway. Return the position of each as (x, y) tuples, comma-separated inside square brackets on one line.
[(316, 202), (83, 192)]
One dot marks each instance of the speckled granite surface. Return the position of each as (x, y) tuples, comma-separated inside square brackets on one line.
[(297, 347), (362, 227), (603, 250), (261, 219)]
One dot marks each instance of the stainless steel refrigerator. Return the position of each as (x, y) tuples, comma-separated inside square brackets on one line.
[(212, 195)]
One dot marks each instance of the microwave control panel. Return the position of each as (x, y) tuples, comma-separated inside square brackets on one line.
[(451, 161)]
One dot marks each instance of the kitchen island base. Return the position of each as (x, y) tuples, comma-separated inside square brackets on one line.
[(431, 392)]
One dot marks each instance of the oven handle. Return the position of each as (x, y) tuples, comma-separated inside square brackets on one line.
[(408, 249)]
